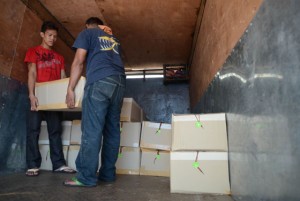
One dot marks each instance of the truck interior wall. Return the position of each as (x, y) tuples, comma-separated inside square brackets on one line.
[(222, 25), (20, 29), (258, 88), (157, 100)]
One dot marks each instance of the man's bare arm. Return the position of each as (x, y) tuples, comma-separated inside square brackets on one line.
[(31, 86)]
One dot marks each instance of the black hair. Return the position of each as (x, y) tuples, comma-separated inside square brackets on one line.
[(47, 25), (94, 20)]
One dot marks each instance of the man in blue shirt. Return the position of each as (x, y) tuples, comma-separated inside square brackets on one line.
[(102, 102)]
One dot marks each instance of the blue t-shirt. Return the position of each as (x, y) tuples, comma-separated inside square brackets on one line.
[(103, 57)]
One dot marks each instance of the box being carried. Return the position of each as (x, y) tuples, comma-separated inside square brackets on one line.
[(52, 95), (131, 111), (199, 172), (206, 132)]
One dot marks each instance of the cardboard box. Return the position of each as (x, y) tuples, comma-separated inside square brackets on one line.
[(186, 175), (65, 136), (52, 95), (129, 161), (44, 138), (130, 134), (72, 155), (199, 132), (45, 154), (131, 111), (155, 163), (76, 132), (156, 136)]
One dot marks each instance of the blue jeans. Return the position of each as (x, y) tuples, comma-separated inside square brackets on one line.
[(33, 155), (101, 108)]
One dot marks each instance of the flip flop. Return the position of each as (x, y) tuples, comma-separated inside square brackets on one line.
[(33, 172), (75, 183), (65, 169)]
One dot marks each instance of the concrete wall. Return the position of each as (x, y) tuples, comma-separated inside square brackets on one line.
[(258, 88), (222, 25)]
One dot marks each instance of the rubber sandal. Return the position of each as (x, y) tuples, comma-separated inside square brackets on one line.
[(33, 172), (65, 169), (75, 183)]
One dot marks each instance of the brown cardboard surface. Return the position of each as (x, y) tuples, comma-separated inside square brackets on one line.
[(130, 134), (153, 165), (186, 178), (72, 155), (212, 136), (153, 139), (66, 133), (76, 132), (131, 111), (129, 162), (52, 95), (45, 154)]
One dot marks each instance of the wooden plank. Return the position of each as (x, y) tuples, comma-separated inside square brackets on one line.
[(196, 32), (40, 10)]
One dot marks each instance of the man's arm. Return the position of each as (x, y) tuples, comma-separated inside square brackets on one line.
[(76, 70), (31, 86)]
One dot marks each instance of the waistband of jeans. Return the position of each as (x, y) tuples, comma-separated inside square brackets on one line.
[(118, 79)]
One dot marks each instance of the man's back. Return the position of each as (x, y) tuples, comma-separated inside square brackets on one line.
[(103, 57)]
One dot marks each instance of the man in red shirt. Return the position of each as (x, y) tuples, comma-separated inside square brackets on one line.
[(44, 64)]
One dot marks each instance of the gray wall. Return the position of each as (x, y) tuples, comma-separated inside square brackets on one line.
[(157, 100), (259, 89), (14, 105)]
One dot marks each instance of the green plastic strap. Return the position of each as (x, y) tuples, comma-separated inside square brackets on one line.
[(196, 164), (198, 124)]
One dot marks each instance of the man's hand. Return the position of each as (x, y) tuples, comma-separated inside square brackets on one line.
[(70, 99), (34, 102)]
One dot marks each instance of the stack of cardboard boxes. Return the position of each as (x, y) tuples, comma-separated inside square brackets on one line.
[(199, 157), (129, 157), (44, 143), (197, 163), (155, 147)]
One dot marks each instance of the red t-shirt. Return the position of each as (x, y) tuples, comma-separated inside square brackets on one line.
[(48, 63)]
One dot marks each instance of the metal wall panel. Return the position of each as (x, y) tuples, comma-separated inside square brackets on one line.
[(258, 88), (157, 100), (14, 105)]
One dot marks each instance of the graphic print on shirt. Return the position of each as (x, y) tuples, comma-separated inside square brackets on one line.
[(46, 60), (107, 43), (48, 65)]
